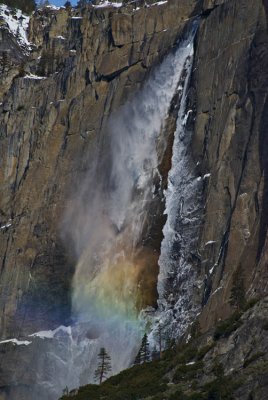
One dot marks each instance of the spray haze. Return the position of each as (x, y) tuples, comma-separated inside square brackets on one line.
[(108, 217), (110, 227)]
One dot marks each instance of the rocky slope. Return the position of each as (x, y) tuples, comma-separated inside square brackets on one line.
[(228, 362), (55, 99)]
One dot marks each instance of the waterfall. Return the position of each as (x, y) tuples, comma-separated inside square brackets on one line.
[(116, 274), (110, 226), (177, 305)]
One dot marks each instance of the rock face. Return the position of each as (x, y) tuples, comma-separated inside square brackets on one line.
[(230, 79), (54, 103), (83, 67), (227, 362)]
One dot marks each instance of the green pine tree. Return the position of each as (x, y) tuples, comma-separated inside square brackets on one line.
[(143, 354), (238, 293), (138, 358), (144, 350), (104, 366), (65, 391)]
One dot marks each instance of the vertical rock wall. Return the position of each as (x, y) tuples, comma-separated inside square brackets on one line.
[(229, 144), (84, 64)]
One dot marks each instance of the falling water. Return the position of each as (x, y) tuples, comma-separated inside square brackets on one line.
[(177, 306), (110, 285), (108, 224), (116, 274)]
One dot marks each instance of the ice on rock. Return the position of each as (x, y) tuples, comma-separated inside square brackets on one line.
[(183, 198), (17, 23)]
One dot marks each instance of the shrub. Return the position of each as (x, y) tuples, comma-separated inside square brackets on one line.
[(187, 372), (237, 297), (225, 328), (177, 395), (204, 350), (253, 358), (219, 389), (265, 326), (27, 6), (196, 396), (251, 303)]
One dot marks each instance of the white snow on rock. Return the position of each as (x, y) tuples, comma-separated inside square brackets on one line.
[(32, 76), (61, 330), (17, 23), (191, 363), (106, 3), (51, 334), (217, 290), (210, 242), (53, 7), (7, 225), (159, 3), (16, 342)]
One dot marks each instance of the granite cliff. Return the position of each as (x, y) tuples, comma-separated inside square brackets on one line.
[(57, 92), (82, 67)]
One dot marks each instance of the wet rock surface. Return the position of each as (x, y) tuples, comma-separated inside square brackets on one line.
[(83, 66), (54, 106)]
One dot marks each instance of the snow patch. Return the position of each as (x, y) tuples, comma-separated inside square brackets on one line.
[(158, 3), (191, 363), (108, 4), (53, 7), (212, 269), (17, 23), (51, 334), (217, 290), (8, 225), (32, 76), (16, 342), (210, 242)]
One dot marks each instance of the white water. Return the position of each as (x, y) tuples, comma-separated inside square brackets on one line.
[(176, 282), (107, 222), (105, 225), (106, 282)]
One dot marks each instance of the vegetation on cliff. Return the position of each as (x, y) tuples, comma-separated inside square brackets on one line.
[(27, 6), (208, 367)]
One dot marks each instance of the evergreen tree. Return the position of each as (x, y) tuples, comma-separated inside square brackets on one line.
[(4, 60), (138, 358), (104, 366), (163, 338), (83, 3), (67, 4), (65, 391), (144, 350), (195, 329), (43, 3), (238, 295), (170, 343), (27, 6), (155, 354)]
